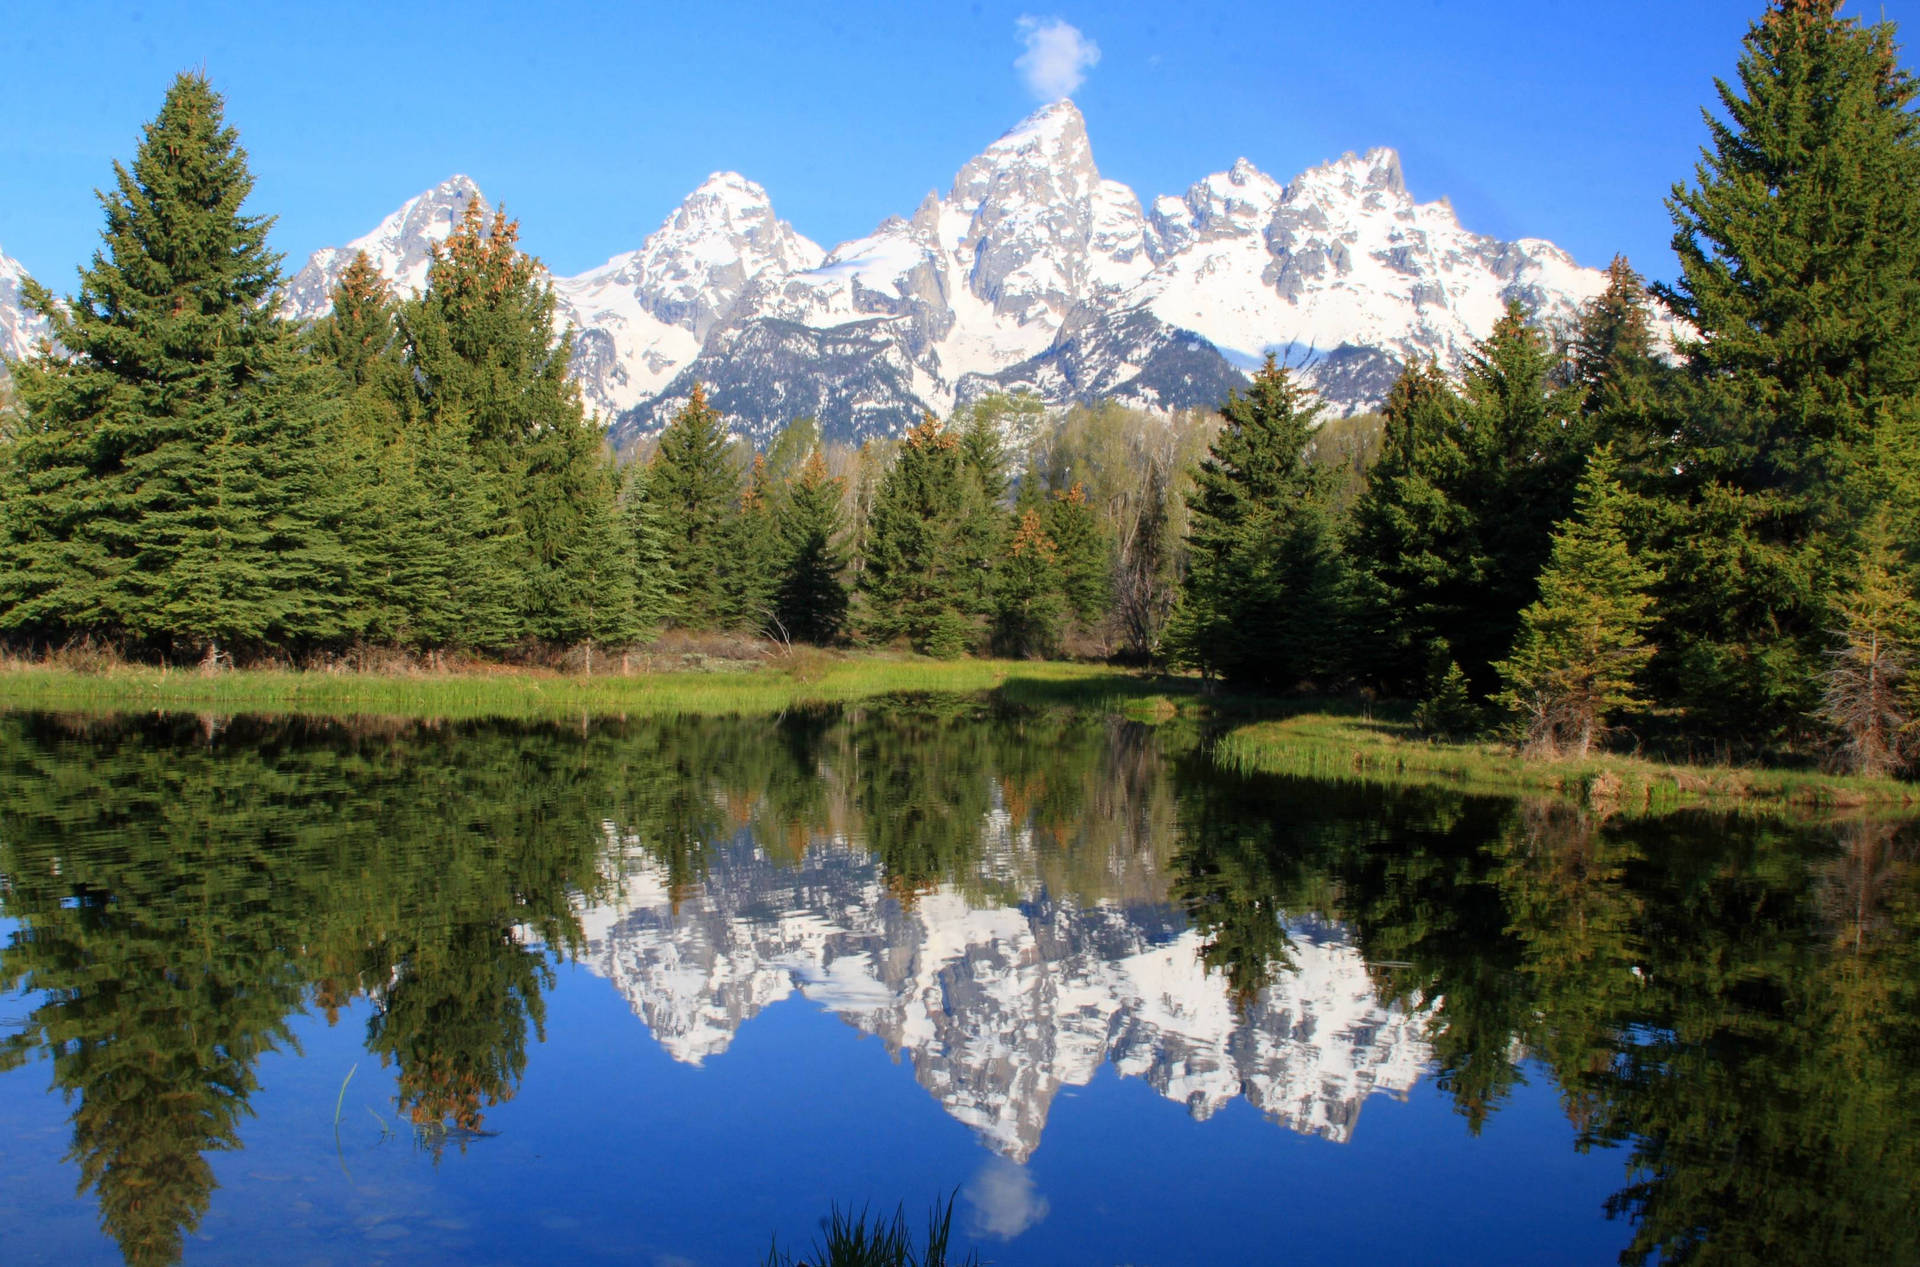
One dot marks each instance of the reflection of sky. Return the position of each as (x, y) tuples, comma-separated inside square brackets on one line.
[(612, 1152)]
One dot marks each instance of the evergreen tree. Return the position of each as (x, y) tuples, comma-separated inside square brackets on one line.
[(1625, 390), (1086, 554), (1408, 540), (482, 350), (750, 562), (169, 482), (1255, 510), (924, 577), (1799, 247), (1868, 693), (811, 601), (696, 490), (1457, 518), (1030, 604), (1581, 648), (1525, 446), (654, 597)]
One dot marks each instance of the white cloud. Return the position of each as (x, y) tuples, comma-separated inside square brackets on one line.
[(1057, 57)]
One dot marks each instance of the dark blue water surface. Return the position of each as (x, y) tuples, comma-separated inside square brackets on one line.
[(657, 992)]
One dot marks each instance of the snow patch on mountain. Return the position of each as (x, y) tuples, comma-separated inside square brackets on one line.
[(21, 329), (1032, 271)]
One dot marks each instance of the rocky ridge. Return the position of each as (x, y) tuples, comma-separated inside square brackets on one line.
[(1031, 272)]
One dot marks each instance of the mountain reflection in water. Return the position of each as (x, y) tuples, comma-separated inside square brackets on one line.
[(1014, 899)]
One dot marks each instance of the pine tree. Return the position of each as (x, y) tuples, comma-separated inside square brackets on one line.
[(1030, 604), (1581, 649), (1086, 554), (923, 578), (170, 489), (1525, 445), (1625, 390), (654, 597), (1255, 496), (811, 601), (1799, 250), (1869, 691), (1457, 517), (484, 357), (696, 490), (1410, 543), (750, 561)]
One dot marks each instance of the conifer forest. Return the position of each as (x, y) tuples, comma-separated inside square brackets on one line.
[(1685, 520)]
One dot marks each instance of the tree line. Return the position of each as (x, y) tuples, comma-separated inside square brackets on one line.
[(1712, 540), (1716, 542)]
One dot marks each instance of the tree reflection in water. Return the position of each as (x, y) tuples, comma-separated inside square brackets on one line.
[(1733, 1001)]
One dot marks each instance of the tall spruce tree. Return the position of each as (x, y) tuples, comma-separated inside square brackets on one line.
[(484, 356), (1581, 650), (170, 489), (1457, 518), (811, 601), (1408, 541), (1030, 604), (696, 490), (654, 597), (1086, 553), (1258, 528), (924, 576), (1799, 247), (751, 559)]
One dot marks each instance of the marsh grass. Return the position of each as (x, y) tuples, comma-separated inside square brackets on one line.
[(474, 693), (868, 1240), (1352, 745)]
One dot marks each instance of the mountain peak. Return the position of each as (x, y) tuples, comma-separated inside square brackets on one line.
[(1049, 129)]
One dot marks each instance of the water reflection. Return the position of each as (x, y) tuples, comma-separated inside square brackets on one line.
[(1013, 901)]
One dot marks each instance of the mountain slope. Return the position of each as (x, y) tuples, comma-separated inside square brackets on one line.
[(1031, 272)]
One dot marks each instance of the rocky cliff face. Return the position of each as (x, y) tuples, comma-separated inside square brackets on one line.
[(1000, 1007), (1031, 272)]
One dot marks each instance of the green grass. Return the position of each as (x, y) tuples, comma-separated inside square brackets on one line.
[(1319, 739), (773, 687), (1351, 745)]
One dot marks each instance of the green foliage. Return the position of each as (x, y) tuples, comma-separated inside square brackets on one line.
[(167, 483), (931, 546), (485, 360), (811, 602), (1580, 653), (1800, 272), (750, 576), (1457, 517), (1029, 603), (1261, 589), (1868, 693), (696, 489), (1448, 710)]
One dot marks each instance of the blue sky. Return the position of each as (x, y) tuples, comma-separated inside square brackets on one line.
[(592, 121)]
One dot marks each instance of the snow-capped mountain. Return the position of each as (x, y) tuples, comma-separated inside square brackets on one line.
[(20, 328), (400, 247), (1032, 272), (1000, 1007)]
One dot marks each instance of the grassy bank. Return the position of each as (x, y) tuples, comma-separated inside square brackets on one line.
[(1355, 746), (771, 687), (1322, 740)]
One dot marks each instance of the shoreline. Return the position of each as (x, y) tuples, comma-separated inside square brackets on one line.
[(1322, 739)]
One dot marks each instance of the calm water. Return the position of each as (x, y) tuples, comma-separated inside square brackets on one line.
[(654, 992)]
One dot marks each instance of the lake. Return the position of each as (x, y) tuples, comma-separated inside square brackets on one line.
[(660, 991)]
